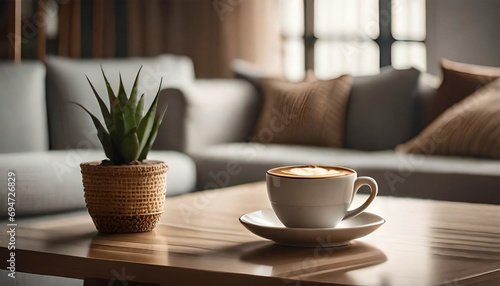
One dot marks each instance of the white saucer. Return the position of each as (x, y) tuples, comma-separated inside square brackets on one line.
[(264, 223)]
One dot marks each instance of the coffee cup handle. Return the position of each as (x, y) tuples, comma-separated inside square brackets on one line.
[(361, 181)]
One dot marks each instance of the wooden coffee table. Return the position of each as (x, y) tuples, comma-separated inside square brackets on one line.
[(201, 242)]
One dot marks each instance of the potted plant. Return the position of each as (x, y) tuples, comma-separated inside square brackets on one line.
[(125, 192)]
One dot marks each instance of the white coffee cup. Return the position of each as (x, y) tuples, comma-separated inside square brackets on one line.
[(315, 196)]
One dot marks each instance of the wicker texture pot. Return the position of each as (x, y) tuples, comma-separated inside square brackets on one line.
[(127, 198)]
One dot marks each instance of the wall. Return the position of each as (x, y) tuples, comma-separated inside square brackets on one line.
[(463, 30)]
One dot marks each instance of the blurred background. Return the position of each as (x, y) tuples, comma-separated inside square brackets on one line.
[(286, 37)]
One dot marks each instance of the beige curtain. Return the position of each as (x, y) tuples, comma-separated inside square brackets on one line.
[(103, 29), (69, 41), (211, 32)]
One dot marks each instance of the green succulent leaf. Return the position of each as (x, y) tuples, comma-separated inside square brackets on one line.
[(130, 134), (103, 136), (129, 109), (117, 115), (104, 109), (133, 92), (152, 135), (139, 110), (146, 125), (129, 116), (122, 95), (130, 146), (111, 93), (118, 131)]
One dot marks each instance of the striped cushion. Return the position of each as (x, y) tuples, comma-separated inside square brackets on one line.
[(459, 81), (469, 128), (306, 113)]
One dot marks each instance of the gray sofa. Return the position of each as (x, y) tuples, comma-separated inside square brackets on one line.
[(217, 118), (206, 132)]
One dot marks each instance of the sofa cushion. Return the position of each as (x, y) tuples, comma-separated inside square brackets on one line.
[(51, 181), (208, 112), (410, 175), (459, 81), (309, 113), (381, 110), (69, 126), (22, 107), (468, 128)]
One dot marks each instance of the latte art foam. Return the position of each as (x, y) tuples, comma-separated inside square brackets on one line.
[(310, 172)]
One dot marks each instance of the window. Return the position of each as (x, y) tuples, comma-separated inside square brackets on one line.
[(292, 31), (334, 37), (408, 30)]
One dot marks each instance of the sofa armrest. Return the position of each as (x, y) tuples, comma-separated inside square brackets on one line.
[(208, 112)]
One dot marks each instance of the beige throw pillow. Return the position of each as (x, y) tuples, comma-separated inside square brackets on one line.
[(306, 113), (469, 128), (459, 81)]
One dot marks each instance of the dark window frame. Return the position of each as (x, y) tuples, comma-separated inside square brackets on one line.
[(385, 39)]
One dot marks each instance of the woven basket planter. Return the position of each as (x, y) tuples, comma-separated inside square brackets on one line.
[(127, 198)]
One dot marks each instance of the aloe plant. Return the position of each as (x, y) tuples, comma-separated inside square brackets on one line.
[(129, 134)]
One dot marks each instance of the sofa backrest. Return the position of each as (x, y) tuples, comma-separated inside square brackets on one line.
[(388, 109), (69, 125), (23, 113), (384, 110), (427, 88)]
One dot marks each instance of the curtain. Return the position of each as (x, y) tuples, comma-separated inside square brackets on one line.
[(210, 32)]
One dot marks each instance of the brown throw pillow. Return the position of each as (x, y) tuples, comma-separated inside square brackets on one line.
[(459, 81), (469, 128), (306, 113)]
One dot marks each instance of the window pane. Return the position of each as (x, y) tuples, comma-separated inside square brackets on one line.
[(292, 17), (408, 19), (336, 58), (293, 59), (409, 54), (353, 18)]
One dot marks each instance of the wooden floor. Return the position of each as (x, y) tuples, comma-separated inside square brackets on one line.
[(200, 241)]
